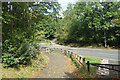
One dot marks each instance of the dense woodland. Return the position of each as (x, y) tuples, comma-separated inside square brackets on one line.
[(91, 23), (23, 24), (83, 23)]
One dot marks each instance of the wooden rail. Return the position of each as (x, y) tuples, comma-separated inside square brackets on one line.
[(80, 59), (98, 65)]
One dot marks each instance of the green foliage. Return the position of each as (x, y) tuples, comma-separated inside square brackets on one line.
[(45, 28), (85, 74), (90, 23), (9, 60), (24, 23), (27, 71), (24, 55)]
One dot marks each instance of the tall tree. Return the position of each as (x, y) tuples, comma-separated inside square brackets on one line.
[(93, 22)]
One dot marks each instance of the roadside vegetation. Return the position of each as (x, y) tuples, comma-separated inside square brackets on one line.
[(24, 24), (93, 69), (25, 71)]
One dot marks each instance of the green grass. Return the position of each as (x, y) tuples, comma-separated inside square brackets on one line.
[(93, 69), (85, 74), (25, 71), (92, 59), (83, 71)]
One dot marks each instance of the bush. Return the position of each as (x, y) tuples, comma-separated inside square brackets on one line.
[(9, 60), (23, 55)]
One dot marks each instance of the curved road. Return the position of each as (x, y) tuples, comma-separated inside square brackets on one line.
[(100, 53)]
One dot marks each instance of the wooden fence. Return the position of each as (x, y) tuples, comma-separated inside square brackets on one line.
[(80, 59)]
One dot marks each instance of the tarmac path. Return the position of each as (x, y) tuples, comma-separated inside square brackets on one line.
[(57, 67)]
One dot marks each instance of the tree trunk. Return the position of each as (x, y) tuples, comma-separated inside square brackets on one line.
[(105, 41)]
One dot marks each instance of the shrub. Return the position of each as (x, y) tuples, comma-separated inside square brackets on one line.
[(23, 55), (9, 60)]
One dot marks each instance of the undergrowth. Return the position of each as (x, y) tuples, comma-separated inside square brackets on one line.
[(25, 71)]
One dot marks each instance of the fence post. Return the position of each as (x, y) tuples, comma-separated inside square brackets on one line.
[(88, 66), (65, 52), (77, 57), (68, 53), (71, 54), (112, 67), (80, 60), (84, 62)]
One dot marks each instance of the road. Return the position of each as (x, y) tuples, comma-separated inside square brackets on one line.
[(100, 53), (103, 54)]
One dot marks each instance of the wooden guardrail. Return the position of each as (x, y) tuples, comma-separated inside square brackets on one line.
[(79, 59)]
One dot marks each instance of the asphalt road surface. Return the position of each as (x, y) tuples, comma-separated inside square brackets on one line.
[(100, 53)]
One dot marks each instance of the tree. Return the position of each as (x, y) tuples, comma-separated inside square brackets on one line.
[(92, 22), (21, 27)]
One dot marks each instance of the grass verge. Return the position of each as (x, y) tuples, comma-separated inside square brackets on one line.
[(92, 59), (82, 71), (93, 69), (25, 71), (95, 46)]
